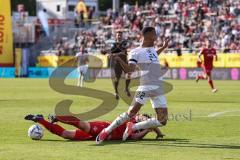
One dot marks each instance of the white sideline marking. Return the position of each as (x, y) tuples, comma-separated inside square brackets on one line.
[(219, 116), (216, 114)]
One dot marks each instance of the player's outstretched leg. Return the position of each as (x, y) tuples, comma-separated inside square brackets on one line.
[(71, 120), (161, 120), (149, 123), (52, 118), (64, 119), (33, 118), (54, 128), (117, 122), (200, 76), (58, 130), (126, 116)]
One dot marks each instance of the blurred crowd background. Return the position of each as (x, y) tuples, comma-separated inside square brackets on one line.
[(39, 35), (189, 23)]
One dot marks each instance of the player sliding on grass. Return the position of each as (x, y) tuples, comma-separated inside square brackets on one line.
[(88, 130), (208, 54), (146, 58)]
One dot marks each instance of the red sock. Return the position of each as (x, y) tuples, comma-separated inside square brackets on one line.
[(81, 135), (69, 120), (54, 128), (200, 77), (211, 84)]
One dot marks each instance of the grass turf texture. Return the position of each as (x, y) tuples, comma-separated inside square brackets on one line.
[(201, 137)]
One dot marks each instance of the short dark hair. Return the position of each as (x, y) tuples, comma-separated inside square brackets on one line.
[(119, 32), (146, 30)]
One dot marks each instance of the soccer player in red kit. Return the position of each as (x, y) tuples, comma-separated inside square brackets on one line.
[(209, 53), (87, 130)]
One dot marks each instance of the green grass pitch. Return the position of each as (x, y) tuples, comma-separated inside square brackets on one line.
[(198, 137)]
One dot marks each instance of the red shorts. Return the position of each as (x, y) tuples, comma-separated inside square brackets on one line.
[(96, 127), (207, 70), (81, 135)]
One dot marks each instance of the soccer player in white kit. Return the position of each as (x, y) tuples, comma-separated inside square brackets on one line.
[(82, 64), (146, 58)]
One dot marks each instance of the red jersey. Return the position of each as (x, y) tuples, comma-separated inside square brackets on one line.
[(97, 126), (208, 55), (117, 133)]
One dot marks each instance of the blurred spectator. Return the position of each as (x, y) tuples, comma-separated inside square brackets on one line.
[(81, 10), (189, 23), (91, 11), (60, 48)]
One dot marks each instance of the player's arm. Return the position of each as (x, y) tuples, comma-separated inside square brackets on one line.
[(158, 132), (199, 55), (164, 46), (140, 135), (110, 51), (104, 52)]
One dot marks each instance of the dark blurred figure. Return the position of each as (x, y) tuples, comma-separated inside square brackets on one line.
[(120, 48)]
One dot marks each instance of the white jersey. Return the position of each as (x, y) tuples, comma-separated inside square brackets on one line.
[(82, 59), (150, 76), (148, 62), (82, 62)]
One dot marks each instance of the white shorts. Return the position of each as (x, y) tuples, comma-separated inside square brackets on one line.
[(157, 101), (83, 69)]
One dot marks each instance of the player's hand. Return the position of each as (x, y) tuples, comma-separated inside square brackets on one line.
[(159, 136), (165, 42)]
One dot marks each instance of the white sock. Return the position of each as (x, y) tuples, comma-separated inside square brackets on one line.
[(117, 122), (79, 80), (82, 79), (149, 123)]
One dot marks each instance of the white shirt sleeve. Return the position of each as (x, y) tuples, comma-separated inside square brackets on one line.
[(133, 57)]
